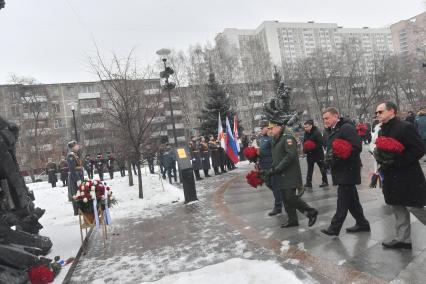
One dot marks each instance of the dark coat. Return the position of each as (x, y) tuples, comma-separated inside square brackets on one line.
[(100, 164), (75, 166), (51, 170), (204, 155), (110, 163), (168, 158), (346, 172), (265, 152), (214, 153), (63, 168), (285, 163), (317, 154), (404, 182), (195, 156)]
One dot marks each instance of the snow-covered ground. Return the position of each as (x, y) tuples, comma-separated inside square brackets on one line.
[(160, 199), (62, 227)]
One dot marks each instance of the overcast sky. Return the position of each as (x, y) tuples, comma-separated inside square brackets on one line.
[(51, 40)]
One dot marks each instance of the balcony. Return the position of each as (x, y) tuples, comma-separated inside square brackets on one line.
[(175, 113), (40, 131), (95, 125), (177, 126), (86, 96), (86, 111), (179, 139), (255, 93), (158, 119), (159, 133), (36, 115)]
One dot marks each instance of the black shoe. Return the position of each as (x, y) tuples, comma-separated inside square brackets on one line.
[(275, 211), (358, 228), (312, 216), (199, 178), (329, 232), (289, 224), (324, 184), (394, 244), (207, 176), (308, 185)]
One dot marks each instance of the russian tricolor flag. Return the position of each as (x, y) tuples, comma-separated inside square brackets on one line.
[(231, 144)]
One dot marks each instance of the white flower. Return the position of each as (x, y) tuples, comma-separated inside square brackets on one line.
[(78, 182), (93, 188), (93, 194), (95, 182), (85, 200), (74, 197), (82, 187)]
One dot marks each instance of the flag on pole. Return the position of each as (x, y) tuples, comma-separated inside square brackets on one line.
[(236, 132), (231, 145), (221, 134)]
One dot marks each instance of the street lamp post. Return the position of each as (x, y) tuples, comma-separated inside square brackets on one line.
[(169, 86), (75, 125)]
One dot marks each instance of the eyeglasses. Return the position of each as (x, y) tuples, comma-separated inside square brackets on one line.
[(379, 112)]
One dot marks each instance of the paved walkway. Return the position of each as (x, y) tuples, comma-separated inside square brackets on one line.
[(231, 220)]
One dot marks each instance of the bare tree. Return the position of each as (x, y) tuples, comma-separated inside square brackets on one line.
[(130, 108)]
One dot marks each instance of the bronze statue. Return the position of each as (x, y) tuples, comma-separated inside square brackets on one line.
[(19, 247)]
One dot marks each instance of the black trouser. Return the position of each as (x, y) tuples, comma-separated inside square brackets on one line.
[(101, 175), (278, 199), (216, 170), (292, 202), (347, 200), (111, 174), (323, 171), (123, 172), (206, 173), (222, 169), (197, 174), (151, 166)]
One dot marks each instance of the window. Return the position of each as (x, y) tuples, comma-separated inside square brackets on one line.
[(58, 123), (15, 110), (56, 108)]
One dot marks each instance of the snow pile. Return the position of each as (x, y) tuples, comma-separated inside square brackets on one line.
[(62, 227), (232, 271)]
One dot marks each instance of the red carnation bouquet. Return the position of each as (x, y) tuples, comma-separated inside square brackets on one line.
[(41, 275), (255, 178), (384, 153), (251, 154), (309, 145), (340, 150)]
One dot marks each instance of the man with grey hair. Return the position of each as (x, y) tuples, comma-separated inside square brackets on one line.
[(404, 184), (345, 173)]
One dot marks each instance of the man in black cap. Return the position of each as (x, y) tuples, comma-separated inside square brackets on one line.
[(286, 175), (265, 164)]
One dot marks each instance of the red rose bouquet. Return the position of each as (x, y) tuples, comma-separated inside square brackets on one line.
[(342, 149), (254, 178), (384, 153), (90, 190), (251, 154), (309, 145)]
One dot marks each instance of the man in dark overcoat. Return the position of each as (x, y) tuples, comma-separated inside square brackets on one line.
[(99, 165), (315, 155), (51, 170), (286, 175), (88, 166), (110, 165), (404, 185), (169, 162), (75, 174), (345, 173), (195, 157)]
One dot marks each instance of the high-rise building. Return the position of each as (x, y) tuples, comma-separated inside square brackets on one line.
[(288, 42), (409, 36)]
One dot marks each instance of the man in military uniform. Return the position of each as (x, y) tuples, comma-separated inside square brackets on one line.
[(63, 169), (315, 155), (169, 161), (205, 157), (75, 173), (149, 155), (346, 173), (110, 165), (88, 166), (195, 157), (265, 164), (215, 154), (286, 175), (51, 170), (100, 162), (121, 162)]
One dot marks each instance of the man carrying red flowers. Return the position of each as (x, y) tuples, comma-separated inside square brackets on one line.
[(286, 175), (404, 184), (312, 147), (343, 153)]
